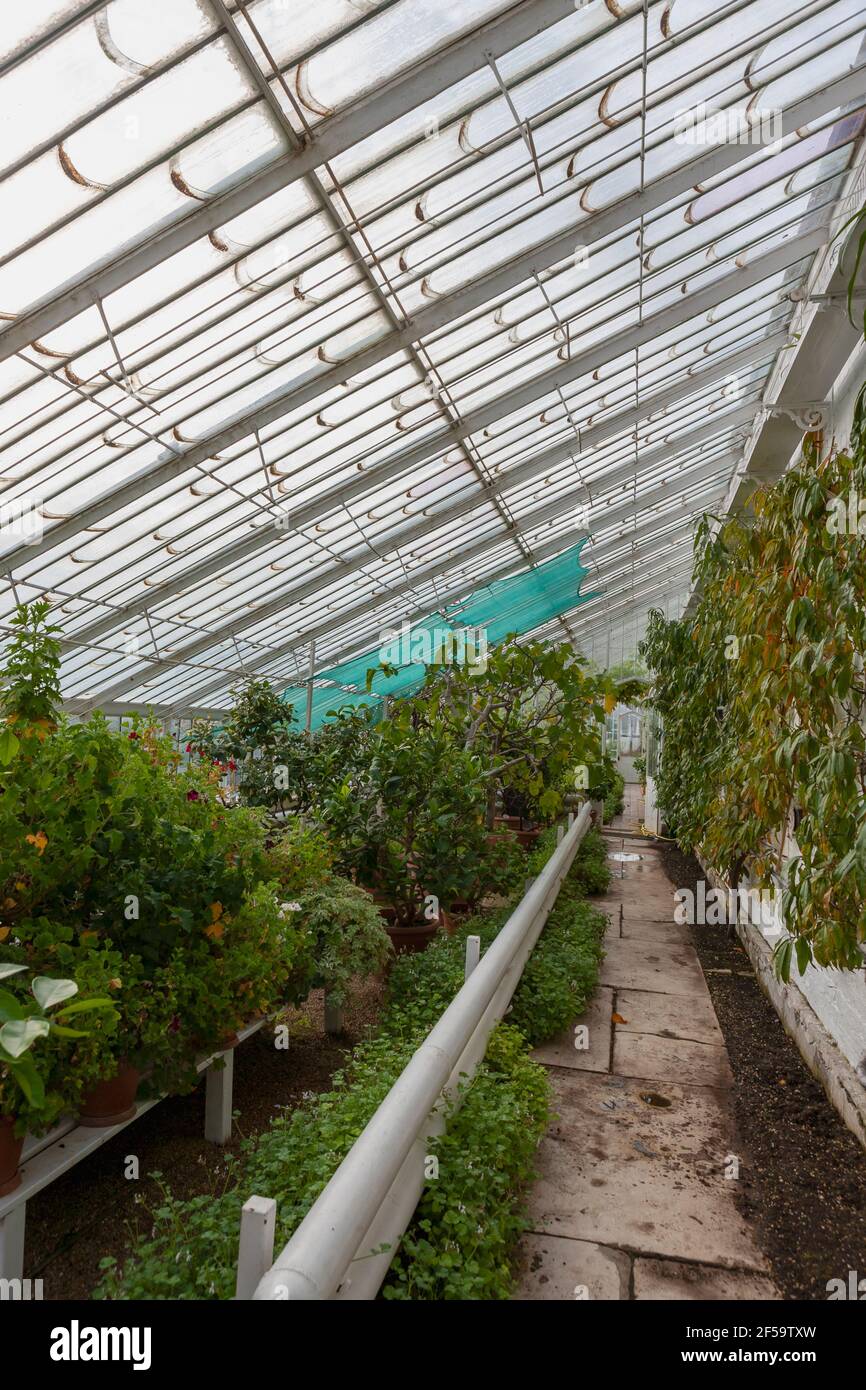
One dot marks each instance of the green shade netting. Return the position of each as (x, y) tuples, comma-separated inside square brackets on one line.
[(515, 605)]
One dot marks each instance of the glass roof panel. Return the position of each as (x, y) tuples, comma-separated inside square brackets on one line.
[(540, 301)]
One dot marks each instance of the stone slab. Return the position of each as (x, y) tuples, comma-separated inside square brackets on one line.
[(654, 966), (551, 1269), (669, 1015), (561, 1051), (667, 1279), (671, 1059), (645, 930), (646, 1178)]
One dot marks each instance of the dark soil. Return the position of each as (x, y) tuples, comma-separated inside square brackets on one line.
[(87, 1214), (803, 1184)]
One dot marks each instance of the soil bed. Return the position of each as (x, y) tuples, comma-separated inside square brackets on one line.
[(803, 1178), (88, 1213)]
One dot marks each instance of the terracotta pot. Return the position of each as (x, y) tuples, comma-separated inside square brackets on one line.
[(528, 838), (113, 1100), (412, 939), (494, 837), (10, 1154), (513, 822)]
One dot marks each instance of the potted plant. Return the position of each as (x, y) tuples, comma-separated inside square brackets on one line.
[(346, 935), (529, 715), (32, 1071), (410, 825)]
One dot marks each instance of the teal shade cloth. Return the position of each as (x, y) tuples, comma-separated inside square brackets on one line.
[(460, 632)]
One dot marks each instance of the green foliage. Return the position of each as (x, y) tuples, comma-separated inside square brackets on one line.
[(590, 872), (409, 821), (116, 860), (561, 973), (30, 692), (46, 1057), (345, 934), (458, 1243), (299, 857), (764, 705), (686, 690), (530, 716), (468, 1218), (277, 765), (607, 785)]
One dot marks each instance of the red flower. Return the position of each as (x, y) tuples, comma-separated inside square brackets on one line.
[(133, 734), (189, 748), (232, 765), (192, 796)]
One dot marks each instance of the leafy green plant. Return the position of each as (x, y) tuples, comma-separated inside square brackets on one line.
[(27, 1020), (409, 823), (763, 698), (30, 691), (469, 1217), (345, 934), (590, 871), (109, 846), (606, 784), (298, 857), (532, 714), (459, 1241)]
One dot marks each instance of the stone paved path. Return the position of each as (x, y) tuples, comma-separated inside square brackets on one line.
[(631, 1199)]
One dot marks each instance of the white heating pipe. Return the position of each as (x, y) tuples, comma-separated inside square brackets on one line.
[(315, 1262)]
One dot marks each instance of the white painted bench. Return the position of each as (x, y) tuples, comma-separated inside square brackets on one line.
[(48, 1157)]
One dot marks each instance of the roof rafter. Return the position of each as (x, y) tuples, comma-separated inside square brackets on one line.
[(534, 467), (424, 80), (450, 308)]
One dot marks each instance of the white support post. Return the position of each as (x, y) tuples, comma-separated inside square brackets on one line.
[(218, 1100), (473, 955), (12, 1242), (570, 819), (308, 721), (334, 1021), (256, 1246), (560, 831)]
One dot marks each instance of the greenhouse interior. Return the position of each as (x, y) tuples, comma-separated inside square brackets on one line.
[(432, 641)]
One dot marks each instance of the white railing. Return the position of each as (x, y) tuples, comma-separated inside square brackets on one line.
[(344, 1245)]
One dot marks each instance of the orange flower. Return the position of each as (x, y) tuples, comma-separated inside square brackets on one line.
[(40, 840), (214, 931)]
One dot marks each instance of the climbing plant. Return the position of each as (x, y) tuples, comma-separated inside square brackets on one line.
[(763, 697)]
